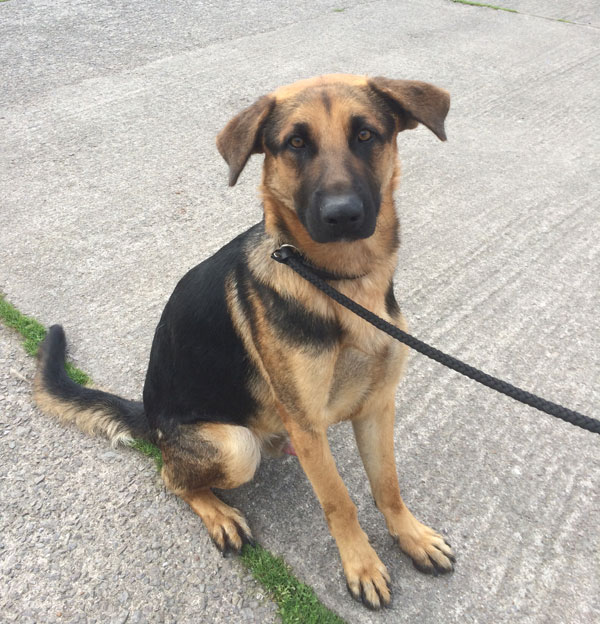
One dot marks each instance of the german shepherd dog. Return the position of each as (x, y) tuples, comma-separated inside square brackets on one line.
[(249, 357)]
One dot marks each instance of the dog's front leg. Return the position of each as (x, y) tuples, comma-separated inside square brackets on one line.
[(366, 576), (374, 431)]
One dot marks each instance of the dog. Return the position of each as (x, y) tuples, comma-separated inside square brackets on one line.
[(250, 358)]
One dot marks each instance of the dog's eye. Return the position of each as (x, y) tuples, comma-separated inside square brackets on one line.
[(296, 142), (365, 135)]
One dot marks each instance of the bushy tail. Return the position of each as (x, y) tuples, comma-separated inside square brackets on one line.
[(93, 411)]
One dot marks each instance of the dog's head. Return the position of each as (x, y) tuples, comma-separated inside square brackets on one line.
[(330, 148)]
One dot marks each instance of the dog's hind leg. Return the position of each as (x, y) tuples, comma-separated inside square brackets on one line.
[(202, 456)]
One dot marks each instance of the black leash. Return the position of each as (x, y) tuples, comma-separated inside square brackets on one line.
[(290, 256)]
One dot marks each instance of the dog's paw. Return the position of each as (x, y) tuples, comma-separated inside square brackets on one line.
[(225, 525), (367, 578), (429, 551), (228, 530)]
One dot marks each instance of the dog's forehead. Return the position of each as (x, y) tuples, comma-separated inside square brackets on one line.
[(323, 102), (319, 83)]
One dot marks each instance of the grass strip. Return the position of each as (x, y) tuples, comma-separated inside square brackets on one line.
[(33, 333), (499, 8), (148, 449), (487, 6), (297, 602)]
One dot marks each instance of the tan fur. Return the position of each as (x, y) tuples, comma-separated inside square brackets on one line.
[(288, 91), (215, 454), (357, 379), (90, 421), (239, 451), (312, 375), (224, 523), (361, 564)]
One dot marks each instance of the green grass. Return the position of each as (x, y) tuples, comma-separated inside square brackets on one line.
[(487, 6), (297, 602), (147, 448), (498, 8), (32, 332)]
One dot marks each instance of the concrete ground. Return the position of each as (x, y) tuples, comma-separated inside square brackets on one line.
[(111, 188)]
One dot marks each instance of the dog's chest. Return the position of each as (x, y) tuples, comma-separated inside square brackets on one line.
[(369, 362), (353, 369), (357, 375)]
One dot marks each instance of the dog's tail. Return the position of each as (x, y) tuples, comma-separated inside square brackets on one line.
[(93, 411)]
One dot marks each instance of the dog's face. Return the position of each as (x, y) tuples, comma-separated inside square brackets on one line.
[(330, 147), (328, 153)]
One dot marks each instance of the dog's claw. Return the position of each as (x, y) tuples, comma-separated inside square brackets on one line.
[(382, 600), (229, 540), (370, 605), (434, 568), (450, 556), (352, 593), (370, 586), (245, 536), (428, 550)]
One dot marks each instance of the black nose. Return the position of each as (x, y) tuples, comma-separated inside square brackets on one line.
[(342, 214)]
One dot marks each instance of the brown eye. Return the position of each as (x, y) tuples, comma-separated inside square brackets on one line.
[(297, 142), (365, 135)]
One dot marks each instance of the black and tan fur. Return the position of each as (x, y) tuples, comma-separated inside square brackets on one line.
[(248, 355)]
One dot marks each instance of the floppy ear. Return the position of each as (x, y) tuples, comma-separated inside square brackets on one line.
[(415, 102), (240, 138)]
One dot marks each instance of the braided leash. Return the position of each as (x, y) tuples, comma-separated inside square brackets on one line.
[(290, 256)]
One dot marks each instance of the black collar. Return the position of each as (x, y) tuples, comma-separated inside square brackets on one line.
[(286, 251)]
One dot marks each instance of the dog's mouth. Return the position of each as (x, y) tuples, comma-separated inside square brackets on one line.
[(335, 237)]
